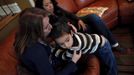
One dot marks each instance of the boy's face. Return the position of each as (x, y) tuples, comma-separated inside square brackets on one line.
[(65, 41)]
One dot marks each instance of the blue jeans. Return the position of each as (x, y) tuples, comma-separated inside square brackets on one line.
[(96, 25), (107, 59)]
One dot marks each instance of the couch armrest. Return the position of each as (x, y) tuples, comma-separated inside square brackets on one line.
[(93, 66), (88, 65)]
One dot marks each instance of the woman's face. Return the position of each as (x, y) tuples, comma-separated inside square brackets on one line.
[(46, 26), (47, 4)]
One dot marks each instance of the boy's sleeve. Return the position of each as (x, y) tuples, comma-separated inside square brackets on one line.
[(64, 54)]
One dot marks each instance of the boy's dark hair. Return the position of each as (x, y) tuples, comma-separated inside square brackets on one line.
[(60, 27)]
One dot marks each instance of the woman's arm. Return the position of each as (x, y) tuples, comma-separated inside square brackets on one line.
[(45, 68), (67, 54), (39, 59)]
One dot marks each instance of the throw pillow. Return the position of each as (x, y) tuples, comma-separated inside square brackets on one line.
[(91, 10)]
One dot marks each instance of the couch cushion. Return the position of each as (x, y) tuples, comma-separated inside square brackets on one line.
[(126, 11), (68, 5), (111, 15), (83, 3), (89, 65)]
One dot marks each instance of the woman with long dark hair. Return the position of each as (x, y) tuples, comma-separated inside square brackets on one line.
[(32, 48)]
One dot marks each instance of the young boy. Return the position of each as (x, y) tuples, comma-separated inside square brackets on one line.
[(86, 43)]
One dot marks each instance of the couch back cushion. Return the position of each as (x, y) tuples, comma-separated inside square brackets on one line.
[(68, 5), (83, 3)]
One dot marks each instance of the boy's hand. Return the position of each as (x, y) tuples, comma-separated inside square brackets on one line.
[(76, 56), (73, 27)]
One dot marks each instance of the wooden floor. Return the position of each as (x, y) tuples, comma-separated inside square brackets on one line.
[(125, 60)]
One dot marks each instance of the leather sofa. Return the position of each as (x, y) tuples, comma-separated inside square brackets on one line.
[(115, 14), (119, 11)]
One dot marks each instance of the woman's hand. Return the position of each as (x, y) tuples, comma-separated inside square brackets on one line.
[(82, 25), (76, 56)]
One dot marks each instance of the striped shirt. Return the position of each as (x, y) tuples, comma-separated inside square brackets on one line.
[(84, 42)]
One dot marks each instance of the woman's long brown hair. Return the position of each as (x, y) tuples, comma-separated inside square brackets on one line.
[(30, 28)]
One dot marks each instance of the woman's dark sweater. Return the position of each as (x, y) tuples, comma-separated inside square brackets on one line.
[(37, 59)]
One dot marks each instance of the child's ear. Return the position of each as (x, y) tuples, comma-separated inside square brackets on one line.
[(72, 32)]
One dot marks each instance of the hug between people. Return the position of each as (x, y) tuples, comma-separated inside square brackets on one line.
[(41, 48)]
